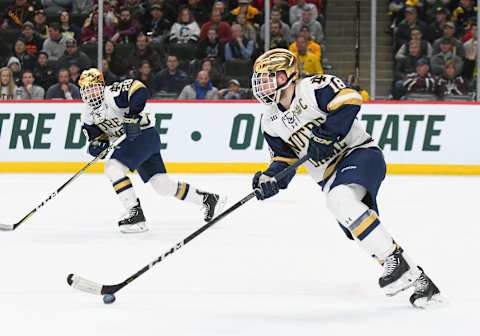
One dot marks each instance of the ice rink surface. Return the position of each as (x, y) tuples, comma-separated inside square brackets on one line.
[(279, 267)]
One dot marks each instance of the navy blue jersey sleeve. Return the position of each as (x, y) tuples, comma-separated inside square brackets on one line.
[(282, 157), (342, 107)]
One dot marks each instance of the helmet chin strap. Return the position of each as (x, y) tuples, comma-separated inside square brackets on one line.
[(283, 87)]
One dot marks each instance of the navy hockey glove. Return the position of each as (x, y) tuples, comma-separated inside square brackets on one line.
[(320, 145), (131, 126), (264, 186), (97, 146)]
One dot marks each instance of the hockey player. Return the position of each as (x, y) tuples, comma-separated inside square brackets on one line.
[(117, 109), (316, 116)]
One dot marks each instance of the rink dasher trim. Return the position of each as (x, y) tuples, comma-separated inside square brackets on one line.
[(231, 168)]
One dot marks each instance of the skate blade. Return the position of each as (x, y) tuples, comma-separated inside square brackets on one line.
[(405, 282), (135, 228), (436, 301)]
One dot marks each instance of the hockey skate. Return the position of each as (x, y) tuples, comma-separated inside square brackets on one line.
[(213, 204), (426, 293), (133, 221), (398, 274)]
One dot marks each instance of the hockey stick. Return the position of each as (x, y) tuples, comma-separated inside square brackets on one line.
[(11, 227), (91, 287)]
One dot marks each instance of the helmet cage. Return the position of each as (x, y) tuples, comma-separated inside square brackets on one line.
[(92, 94), (264, 87)]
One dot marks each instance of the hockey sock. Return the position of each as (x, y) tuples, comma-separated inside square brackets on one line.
[(123, 188), (165, 186), (345, 202), (122, 185)]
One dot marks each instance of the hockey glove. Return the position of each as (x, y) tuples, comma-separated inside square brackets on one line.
[(264, 186), (320, 145), (131, 126), (97, 146)]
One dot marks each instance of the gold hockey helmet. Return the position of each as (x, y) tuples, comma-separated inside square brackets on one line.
[(264, 78), (92, 86)]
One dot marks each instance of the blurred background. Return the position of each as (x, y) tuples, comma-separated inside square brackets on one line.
[(387, 49)]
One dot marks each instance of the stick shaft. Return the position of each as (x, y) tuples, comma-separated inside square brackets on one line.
[(70, 180), (114, 288)]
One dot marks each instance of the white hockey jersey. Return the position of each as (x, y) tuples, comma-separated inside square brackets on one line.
[(318, 100), (120, 99)]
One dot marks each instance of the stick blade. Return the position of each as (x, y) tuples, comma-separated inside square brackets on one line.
[(84, 285), (7, 227)]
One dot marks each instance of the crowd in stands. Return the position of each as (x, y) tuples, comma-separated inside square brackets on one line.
[(186, 49), (435, 45)]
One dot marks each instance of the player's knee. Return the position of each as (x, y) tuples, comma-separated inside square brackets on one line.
[(337, 197), (345, 202), (114, 169), (163, 184)]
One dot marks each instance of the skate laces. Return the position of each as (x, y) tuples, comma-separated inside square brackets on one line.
[(421, 284), (130, 213), (391, 262), (206, 205)]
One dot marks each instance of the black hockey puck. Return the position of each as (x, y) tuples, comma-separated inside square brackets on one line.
[(109, 298)]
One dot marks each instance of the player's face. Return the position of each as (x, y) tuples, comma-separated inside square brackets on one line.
[(92, 94), (264, 87)]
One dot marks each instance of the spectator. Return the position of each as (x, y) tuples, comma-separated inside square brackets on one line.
[(20, 52), (28, 90), (275, 17), (63, 89), (314, 26), (110, 13), (89, 31), (420, 81), (135, 8), (186, 29), (211, 47), (127, 29), (201, 89), (43, 72), (117, 64), (437, 27), (171, 79), (470, 56), (74, 70), (451, 83), (415, 37), (145, 75), (308, 62), (222, 28), (253, 15), (277, 39), (54, 45), (249, 31), (199, 10), (470, 30), (214, 75), (53, 7), (40, 23), (312, 46), (33, 43), (449, 32), (67, 28), (108, 75), (72, 54), (17, 14), (408, 64), (16, 67), (446, 54), (239, 47), (234, 91), (402, 32), (143, 51), (169, 7), (283, 8), (158, 26), (463, 13), (8, 88), (220, 6), (82, 6), (396, 9), (296, 12)]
